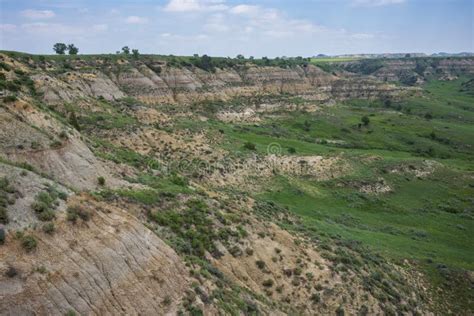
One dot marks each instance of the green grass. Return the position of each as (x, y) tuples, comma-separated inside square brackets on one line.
[(399, 225), (429, 220), (393, 132)]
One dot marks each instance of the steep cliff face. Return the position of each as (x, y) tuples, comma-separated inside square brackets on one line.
[(30, 136), (164, 84)]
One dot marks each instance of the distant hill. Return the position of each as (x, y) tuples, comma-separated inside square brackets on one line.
[(397, 55)]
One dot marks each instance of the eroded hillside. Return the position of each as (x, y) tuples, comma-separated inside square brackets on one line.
[(148, 186)]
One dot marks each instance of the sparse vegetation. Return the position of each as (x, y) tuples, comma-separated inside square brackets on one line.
[(250, 146), (73, 213), (2, 235), (268, 283), (367, 183), (49, 228), (28, 242), (45, 203)]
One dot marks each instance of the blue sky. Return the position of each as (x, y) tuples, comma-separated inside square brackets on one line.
[(230, 27)]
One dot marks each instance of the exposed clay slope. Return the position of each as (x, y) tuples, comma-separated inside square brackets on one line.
[(114, 80), (31, 136), (27, 186), (111, 264)]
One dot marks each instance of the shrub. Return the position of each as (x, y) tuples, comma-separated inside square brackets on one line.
[(10, 98), (178, 180), (11, 272), (101, 181), (268, 283), (28, 243), (365, 120), (3, 215), (63, 135), (48, 228), (75, 212), (2, 236), (235, 251), (297, 271), (250, 146), (71, 313), (260, 264), (47, 215), (315, 298), (55, 144), (167, 300), (44, 204), (291, 150)]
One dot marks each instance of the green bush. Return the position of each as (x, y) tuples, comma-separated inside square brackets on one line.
[(29, 243), (179, 180), (2, 236), (3, 215), (268, 283), (315, 298), (46, 215), (10, 98), (48, 228), (193, 227), (250, 146), (101, 181), (260, 264), (365, 120), (75, 212), (45, 203)]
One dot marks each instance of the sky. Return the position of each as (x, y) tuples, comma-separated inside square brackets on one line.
[(230, 27)]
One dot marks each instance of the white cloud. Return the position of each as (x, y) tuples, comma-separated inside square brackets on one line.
[(7, 27), (51, 29), (38, 14), (376, 3), (195, 5), (363, 36), (244, 9), (217, 23), (133, 19), (100, 27), (57, 29)]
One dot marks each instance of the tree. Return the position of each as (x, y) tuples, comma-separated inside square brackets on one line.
[(126, 50), (135, 53), (73, 50), (240, 56), (60, 48), (206, 63), (266, 61), (365, 120)]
